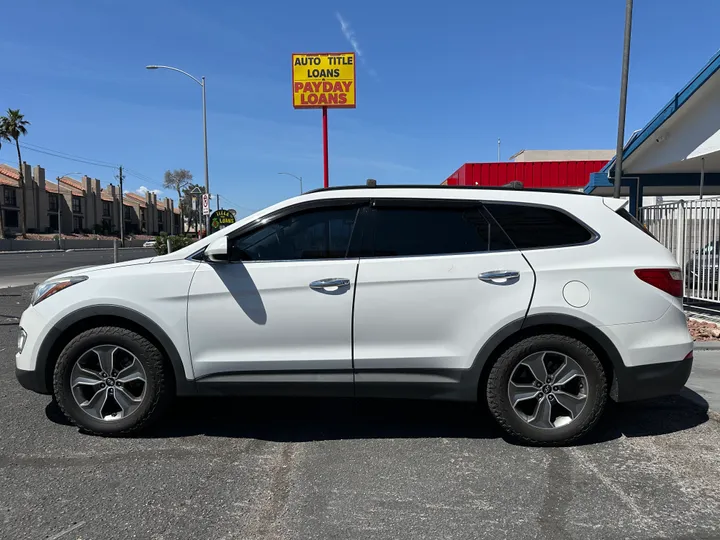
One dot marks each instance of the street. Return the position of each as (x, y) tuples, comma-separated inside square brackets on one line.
[(17, 269), (272, 468)]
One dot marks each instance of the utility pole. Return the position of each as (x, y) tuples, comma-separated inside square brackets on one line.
[(498, 149), (122, 210), (218, 201), (623, 100)]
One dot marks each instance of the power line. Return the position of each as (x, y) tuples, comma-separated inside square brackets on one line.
[(76, 159), (43, 148)]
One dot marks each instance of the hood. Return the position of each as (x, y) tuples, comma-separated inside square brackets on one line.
[(90, 269)]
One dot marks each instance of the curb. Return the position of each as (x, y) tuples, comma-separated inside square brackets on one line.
[(706, 346), (32, 251)]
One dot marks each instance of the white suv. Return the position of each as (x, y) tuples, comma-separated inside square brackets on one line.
[(540, 304)]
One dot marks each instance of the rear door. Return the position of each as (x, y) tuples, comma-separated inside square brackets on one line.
[(436, 281)]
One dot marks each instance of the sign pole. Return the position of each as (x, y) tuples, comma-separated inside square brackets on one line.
[(326, 176)]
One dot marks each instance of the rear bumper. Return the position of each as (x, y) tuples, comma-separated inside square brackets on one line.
[(651, 380)]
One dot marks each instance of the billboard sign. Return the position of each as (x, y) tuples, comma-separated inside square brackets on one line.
[(221, 219), (323, 80)]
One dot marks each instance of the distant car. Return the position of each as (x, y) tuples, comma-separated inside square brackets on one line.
[(541, 305), (150, 244)]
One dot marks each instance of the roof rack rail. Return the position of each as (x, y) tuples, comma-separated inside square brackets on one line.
[(445, 186)]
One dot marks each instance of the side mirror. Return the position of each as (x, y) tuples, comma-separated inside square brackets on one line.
[(217, 251)]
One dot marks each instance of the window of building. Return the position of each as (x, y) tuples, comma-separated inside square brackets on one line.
[(414, 228), (11, 219), (53, 202), (106, 208), (9, 196), (322, 233), (77, 223), (53, 218), (76, 205), (128, 213), (537, 226)]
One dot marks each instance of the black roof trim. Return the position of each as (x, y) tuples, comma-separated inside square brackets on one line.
[(445, 186)]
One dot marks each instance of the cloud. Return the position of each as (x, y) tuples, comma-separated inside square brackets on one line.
[(350, 36), (142, 190)]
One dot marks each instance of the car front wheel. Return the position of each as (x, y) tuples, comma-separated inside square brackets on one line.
[(547, 389), (111, 381)]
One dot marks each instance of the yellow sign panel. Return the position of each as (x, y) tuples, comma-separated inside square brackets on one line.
[(323, 80)]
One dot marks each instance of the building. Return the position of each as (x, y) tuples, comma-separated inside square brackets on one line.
[(69, 205), (562, 155), (572, 175)]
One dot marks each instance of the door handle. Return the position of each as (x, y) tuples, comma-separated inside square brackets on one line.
[(500, 277), (329, 282)]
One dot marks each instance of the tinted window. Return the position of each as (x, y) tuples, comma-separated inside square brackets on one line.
[(406, 230), (538, 227), (312, 234)]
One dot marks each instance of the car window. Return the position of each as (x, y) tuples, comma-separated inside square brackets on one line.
[(402, 230), (311, 234), (531, 226)]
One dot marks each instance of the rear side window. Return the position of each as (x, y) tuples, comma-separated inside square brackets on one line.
[(412, 229), (627, 216), (538, 227)]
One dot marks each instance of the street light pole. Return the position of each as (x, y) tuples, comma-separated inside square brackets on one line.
[(623, 100), (296, 178), (201, 82)]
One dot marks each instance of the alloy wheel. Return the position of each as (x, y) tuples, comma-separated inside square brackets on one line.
[(548, 390), (108, 382)]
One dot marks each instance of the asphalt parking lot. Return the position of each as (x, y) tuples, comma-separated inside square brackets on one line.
[(241, 468)]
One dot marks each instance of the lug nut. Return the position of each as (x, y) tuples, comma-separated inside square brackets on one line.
[(551, 397), (539, 396), (549, 380), (118, 383), (103, 374), (538, 384), (111, 390), (556, 388), (102, 385)]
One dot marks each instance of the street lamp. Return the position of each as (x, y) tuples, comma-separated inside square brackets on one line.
[(623, 100), (201, 82), (59, 202), (296, 178)]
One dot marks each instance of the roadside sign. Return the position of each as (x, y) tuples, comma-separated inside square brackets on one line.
[(221, 219), (323, 80), (206, 204)]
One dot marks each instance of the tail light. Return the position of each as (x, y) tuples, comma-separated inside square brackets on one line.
[(669, 280)]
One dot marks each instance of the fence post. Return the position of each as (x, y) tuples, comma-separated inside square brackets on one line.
[(169, 247), (681, 234), (115, 250)]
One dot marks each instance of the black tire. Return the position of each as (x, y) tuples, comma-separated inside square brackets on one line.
[(158, 388), (498, 399)]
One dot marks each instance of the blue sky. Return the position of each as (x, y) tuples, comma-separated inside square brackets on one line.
[(438, 83)]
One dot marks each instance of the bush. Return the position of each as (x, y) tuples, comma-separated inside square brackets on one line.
[(176, 242)]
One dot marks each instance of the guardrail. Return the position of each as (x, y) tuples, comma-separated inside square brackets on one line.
[(691, 231)]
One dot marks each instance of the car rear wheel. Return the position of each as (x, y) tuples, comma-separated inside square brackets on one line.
[(111, 381), (547, 389)]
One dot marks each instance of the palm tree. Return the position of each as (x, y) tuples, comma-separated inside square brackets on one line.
[(12, 127), (177, 180)]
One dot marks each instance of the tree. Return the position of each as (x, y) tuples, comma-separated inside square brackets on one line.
[(12, 127), (190, 192), (177, 180)]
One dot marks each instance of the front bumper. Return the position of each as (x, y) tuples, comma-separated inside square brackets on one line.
[(651, 380), (32, 380)]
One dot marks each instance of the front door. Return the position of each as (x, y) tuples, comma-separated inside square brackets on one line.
[(281, 309), (439, 281)]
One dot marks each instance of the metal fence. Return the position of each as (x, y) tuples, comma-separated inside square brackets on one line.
[(691, 231)]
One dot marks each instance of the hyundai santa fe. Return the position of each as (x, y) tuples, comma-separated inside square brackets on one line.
[(540, 305)]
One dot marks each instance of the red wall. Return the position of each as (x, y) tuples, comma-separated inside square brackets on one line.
[(533, 174)]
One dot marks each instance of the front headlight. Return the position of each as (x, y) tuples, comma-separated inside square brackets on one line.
[(53, 286)]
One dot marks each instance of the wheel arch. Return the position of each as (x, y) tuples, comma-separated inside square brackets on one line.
[(110, 315), (549, 323)]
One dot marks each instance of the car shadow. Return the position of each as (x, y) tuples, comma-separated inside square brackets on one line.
[(303, 420)]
